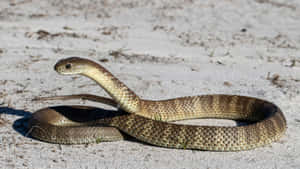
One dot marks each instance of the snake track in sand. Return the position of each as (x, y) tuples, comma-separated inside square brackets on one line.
[(146, 120)]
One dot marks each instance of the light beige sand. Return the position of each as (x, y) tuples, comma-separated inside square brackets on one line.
[(161, 49)]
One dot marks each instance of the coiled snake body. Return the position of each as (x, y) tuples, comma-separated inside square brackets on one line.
[(146, 120)]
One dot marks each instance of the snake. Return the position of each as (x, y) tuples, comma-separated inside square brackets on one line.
[(150, 121)]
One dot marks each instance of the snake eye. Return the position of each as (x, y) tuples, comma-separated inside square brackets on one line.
[(68, 66)]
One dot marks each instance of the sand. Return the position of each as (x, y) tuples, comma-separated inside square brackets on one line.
[(160, 49)]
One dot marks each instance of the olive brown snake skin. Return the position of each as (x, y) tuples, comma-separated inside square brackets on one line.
[(146, 120)]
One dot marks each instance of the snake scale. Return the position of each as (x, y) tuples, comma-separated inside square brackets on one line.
[(146, 120)]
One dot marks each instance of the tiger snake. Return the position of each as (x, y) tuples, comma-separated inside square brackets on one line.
[(148, 120)]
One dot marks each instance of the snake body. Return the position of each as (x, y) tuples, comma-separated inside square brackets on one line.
[(146, 120)]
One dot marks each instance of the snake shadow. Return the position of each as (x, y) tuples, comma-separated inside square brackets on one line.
[(20, 125)]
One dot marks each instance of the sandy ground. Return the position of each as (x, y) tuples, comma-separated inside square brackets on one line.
[(160, 49)]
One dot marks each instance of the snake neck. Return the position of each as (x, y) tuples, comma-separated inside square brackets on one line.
[(127, 100)]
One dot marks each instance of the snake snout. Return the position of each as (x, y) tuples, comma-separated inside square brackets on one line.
[(58, 68)]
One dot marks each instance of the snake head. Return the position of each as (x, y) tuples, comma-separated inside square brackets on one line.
[(73, 65)]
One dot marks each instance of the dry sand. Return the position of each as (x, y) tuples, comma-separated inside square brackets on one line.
[(160, 49)]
